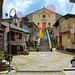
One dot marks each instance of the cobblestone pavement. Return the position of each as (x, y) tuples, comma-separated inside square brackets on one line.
[(42, 61)]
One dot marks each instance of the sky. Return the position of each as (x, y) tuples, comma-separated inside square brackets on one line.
[(26, 7)]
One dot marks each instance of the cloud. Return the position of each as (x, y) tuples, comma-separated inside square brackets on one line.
[(19, 5), (61, 6), (28, 6), (73, 9)]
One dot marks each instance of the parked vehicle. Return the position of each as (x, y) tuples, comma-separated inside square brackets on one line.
[(70, 50)]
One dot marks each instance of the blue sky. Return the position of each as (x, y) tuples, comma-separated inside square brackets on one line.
[(62, 7)]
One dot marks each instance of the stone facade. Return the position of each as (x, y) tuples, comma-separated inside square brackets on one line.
[(37, 17), (17, 45), (66, 37)]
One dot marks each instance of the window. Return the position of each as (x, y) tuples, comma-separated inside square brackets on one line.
[(43, 10), (30, 36), (18, 48), (38, 23), (19, 35), (60, 29), (44, 16), (49, 23), (34, 29)]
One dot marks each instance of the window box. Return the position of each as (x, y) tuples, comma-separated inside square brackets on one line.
[(25, 53), (19, 52)]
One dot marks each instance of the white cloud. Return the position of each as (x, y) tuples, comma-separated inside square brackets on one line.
[(19, 5), (73, 9), (62, 5)]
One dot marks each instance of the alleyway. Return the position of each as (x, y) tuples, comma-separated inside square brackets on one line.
[(42, 61)]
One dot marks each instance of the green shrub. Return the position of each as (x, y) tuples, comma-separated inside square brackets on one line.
[(31, 47), (25, 52)]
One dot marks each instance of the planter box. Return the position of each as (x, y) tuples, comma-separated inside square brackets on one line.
[(25, 53), (19, 52)]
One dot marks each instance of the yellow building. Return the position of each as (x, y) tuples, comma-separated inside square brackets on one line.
[(41, 16), (67, 35)]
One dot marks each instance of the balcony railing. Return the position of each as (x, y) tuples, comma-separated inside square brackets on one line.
[(19, 40), (64, 30), (72, 40)]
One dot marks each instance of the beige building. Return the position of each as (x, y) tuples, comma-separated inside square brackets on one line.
[(67, 36), (41, 16)]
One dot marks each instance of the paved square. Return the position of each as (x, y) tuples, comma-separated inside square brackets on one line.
[(42, 61)]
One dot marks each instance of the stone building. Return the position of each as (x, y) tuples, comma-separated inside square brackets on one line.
[(67, 34), (41, 16), (33, 30), (18, 44)]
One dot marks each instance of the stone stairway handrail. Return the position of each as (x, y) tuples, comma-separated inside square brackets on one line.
[(49, 38)]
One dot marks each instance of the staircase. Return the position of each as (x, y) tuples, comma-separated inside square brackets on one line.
[(44, 43)]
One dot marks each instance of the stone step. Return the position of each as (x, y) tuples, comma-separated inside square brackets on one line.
[(44, 41), (44, 46)]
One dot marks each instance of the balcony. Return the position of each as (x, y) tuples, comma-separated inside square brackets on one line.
[(73, 40), (19, 40), (64, 30)]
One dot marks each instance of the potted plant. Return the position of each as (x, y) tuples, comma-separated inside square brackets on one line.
[(4, 66), (0, 66), (73, 61), (25, 52)]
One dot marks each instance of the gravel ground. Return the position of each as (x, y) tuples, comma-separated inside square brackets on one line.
[(42, 61)]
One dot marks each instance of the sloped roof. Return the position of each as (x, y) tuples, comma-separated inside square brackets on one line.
[(14, 27), (66, 17), (39, 10)]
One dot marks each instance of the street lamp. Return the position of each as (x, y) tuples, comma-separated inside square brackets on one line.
[(10, 38)]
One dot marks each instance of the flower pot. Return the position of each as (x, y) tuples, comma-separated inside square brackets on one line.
[(0, 66), (4, 66), (0, 53)]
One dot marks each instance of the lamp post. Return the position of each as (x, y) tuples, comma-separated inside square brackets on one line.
[(10, 39)]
